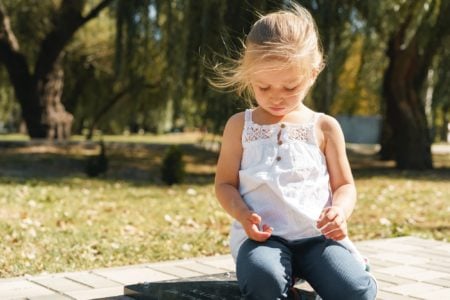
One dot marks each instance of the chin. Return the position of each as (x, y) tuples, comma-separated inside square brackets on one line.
[(277, 112)]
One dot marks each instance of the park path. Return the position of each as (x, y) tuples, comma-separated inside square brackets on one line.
[(405, 267)]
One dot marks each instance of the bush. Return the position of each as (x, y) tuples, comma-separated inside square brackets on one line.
[(172, 169), (97, 164)]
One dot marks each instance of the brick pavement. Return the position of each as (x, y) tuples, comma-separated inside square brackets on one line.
[(405, 267)]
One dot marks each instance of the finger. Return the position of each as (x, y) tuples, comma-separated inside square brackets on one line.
[(331, 214), (260, 236), (267, 229), (255, 218), (322, 218), (336, 235), (333, 229), (331, 232)]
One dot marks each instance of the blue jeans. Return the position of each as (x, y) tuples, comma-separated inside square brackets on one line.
[(267, 270)]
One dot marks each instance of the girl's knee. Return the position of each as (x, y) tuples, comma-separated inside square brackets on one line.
[(370, 291), (366, 291), (263, 285), (360, 288), (262, 272)]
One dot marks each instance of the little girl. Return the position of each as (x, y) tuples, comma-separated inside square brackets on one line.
[(283, 173)]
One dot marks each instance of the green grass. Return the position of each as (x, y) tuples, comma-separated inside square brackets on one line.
[(54, 219)]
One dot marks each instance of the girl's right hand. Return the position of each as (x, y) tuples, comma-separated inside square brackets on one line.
[(251, 223)]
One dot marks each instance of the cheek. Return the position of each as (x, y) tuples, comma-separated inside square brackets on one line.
[(259, 95)]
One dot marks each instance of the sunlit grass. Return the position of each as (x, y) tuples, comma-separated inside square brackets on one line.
[(53, 218), (79, 223)]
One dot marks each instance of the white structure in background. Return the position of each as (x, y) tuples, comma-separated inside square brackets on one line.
[(361, 129), (448, 132)]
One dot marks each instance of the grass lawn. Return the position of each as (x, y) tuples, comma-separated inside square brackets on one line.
[(54, 219)]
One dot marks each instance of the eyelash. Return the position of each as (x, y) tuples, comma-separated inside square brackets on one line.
[(264, 89), (291, 89)]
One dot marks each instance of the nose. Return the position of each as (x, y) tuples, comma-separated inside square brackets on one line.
[(276, 99)]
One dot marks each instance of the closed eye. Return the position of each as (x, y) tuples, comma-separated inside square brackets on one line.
[(290, 89), (266, 88)]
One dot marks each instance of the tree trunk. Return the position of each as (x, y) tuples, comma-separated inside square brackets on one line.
[(405, 113), (39, 93)]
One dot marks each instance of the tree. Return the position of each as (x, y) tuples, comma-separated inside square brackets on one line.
[(38, 88), (410, 59), (410, 34)]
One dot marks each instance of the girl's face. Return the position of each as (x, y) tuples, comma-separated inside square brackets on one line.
[(279, 91)]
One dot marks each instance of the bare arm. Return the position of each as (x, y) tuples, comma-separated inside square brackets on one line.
[(333, 220), (227, 181)]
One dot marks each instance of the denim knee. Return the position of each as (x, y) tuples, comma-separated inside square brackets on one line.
[(370, 291), (357, 291), (263, 285), (262, 272)]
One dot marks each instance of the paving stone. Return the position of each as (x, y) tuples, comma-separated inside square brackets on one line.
[(225, 263), (384, 285), (365, 249), (133, 275), (405, 268), (202, 268), (412, 272), (444, 247), (92, 280), (423, 243), (383, 295), (391, 279), (97, 293), (376, 263), (401, 258), (50, 297), (175, 270), (59, 284), (444, 282), (434, 266), (414, 289), (22, 288), (433, 254), (439, 294)]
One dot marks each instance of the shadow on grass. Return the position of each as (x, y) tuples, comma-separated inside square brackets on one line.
[(135, 163), (139, 163)]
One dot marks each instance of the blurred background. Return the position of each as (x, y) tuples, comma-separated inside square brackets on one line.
[(138, 66), (109, 130)]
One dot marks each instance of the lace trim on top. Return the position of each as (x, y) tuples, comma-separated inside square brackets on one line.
[(254, 132), (299, 132)]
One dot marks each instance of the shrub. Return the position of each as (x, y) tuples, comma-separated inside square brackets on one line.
[(173, 169), (97, 164)]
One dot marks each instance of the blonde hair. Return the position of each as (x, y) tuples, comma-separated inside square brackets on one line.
[(289, 37)]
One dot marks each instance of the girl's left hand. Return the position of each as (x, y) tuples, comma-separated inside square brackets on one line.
[(332, 223)]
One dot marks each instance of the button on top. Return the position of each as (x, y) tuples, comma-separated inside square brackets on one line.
[(278, 158), (283, 125), (280, 142)]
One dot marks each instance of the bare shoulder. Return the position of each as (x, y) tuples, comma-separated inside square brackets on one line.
[(328, 124), (329, 132), (236, 121)]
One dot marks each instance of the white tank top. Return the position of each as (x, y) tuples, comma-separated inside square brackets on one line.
[(283, 178)]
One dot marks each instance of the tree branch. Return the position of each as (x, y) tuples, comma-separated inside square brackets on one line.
[(68, 21), (14, 60), (6, 34), (96, 10)]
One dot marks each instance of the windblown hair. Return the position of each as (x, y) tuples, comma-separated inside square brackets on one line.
[(288, 37)]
